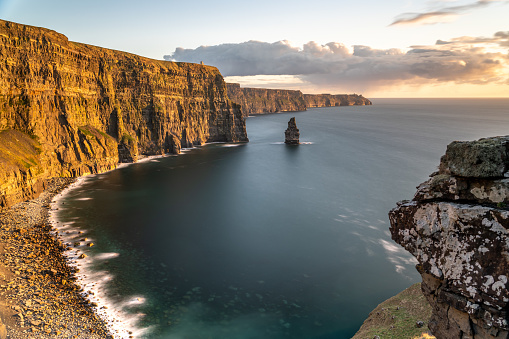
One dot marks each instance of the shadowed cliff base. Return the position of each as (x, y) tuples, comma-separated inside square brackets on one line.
[(263, 101), (457, 228), (79, 109)]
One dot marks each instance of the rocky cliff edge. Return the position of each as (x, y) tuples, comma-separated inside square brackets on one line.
[(330, 100), (457, 226), (262, 100), (68, 109)]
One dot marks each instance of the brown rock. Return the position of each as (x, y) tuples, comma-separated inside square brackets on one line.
[(457, 227), (328, 100), (68, 108), (292, 133), (263, 101)]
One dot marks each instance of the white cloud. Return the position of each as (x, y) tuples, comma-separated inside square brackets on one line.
[(441, 15), (466, 60)]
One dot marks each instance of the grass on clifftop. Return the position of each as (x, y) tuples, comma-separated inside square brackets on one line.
[(18, 149), (396, 318)]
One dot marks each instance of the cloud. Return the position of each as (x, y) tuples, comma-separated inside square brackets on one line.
[(445, 14), (256, 57), (464, 60)]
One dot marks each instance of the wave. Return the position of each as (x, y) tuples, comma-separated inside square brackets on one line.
[(118, 316)]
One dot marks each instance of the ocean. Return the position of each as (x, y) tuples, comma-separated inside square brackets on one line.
[(265, 240)]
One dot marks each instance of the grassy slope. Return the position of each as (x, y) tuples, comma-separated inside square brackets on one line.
[(396, 317), (18, 150)]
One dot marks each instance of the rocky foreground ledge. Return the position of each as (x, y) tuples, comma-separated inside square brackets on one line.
[(38, 295), (457, 226)]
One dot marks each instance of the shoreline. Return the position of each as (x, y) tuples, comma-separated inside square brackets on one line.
[(42, 295), (94, 284), (39, 294)]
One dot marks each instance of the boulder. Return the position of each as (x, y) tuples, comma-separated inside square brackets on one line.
[(457, 227)]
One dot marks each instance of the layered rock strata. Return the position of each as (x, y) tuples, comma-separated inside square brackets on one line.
[(457, 226), (330, 100), (292, 133), (262, 100), (79, 109)]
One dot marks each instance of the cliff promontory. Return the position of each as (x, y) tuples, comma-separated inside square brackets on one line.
[(457, 226), (262, 100), (67, 109), (330, 100)]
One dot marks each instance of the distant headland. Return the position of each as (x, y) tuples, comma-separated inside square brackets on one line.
[(263, 101)]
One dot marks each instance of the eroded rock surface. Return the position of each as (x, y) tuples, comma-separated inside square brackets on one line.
[(457, 226), (292, 133), (262, 100), (78, 109), (329, 100)]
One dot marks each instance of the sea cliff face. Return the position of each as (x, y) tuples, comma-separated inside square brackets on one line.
[(329, 100), (457, 226), (262, 100), (75, 109)]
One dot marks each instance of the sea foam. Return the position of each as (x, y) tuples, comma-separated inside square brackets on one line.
[(120, 321)]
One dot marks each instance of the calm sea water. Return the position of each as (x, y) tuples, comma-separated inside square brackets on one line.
[(265, 240)]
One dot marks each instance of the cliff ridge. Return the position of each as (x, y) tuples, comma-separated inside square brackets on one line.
[(333, 100), (85, 108), (263, 101)]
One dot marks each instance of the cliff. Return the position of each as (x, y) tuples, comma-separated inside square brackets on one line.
[(262, 100), (329, 100), (457, 226), (68, 109)]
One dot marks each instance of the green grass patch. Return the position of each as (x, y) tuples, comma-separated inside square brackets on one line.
[(397, 317), (86, 131), (127, 139), (19, 150)]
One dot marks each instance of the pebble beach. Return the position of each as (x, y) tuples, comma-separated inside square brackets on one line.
[(39, 296)]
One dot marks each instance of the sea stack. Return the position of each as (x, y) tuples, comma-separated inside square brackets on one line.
[(292, 133)]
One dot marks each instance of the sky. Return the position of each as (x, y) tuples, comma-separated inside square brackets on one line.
[(390, 48)]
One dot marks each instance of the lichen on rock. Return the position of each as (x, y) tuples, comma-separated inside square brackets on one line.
[(457, 226)]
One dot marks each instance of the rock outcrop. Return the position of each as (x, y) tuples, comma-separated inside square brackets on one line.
[(292, 133), (329, 100), (78, 109), (263, 101), (457, 226)]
